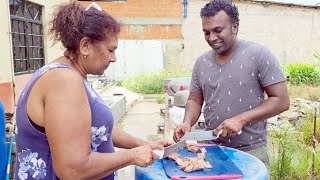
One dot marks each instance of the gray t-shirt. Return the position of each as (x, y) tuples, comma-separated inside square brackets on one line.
[(235, 87)]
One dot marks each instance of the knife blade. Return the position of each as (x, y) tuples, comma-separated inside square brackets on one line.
[(203, 135), (200, 135), (170, 149)]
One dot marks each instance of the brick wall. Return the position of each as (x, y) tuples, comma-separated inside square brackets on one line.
[(150, 32), (142, 18)]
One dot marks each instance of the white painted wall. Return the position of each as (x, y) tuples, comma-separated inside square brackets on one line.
[(5, 49), (136, 56), (51, 52), (291, 33)]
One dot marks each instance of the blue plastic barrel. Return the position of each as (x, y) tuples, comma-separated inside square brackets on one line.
[(3, 147), (251, 167)]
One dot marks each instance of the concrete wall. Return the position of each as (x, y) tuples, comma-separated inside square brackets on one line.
[(152, 20), (6, 61), (291, 33), (6, 95), (141, 19)]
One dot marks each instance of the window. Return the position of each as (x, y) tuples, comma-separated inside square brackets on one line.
[(27, 36)]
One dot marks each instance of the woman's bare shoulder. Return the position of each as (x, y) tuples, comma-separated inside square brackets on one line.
[(60, 81)]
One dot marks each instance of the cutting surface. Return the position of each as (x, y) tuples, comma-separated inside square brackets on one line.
[(222, 164), (251, 167)]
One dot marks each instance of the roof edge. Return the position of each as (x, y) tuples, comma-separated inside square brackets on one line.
[(283, 3)]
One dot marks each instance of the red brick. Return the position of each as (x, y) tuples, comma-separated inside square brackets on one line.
[(146, 9)]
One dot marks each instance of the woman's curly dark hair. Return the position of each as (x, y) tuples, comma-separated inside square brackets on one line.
[(71, 22), (213, 7)]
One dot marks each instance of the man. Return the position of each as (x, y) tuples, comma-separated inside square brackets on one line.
[(230, 80)]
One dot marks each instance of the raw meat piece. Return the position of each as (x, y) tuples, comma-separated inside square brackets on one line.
[(174, 156), (192, 148), (202, 155), (188, 168), (179, 161), (207, 165), (189, 164)]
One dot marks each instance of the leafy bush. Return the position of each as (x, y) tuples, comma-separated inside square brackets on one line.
[(303, 74), (151, 83)]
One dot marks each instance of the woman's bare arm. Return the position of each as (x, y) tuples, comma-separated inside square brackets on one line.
[(68, 128)]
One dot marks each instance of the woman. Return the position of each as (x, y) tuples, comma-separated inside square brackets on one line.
[(64, 129)]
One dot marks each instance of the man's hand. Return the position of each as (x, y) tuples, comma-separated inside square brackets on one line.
[(230, 127), (180, 131), (161, 142)]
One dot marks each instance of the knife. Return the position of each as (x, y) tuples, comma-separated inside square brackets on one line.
[(170, 149), (203, 135)]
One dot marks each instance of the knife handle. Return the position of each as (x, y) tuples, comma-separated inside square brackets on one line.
[(219, 133), (159, 153)]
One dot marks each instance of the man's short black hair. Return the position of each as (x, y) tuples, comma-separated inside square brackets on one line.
[(213, 7)]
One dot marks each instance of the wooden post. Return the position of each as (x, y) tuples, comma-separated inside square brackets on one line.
[(314, 140), (168, 131)]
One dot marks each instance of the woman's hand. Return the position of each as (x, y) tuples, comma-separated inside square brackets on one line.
[(144, 156)]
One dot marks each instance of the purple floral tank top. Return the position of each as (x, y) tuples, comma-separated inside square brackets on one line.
[(34, 160)]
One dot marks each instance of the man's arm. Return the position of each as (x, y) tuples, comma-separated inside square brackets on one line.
[(193, 108), (277, 102), (192, 113)]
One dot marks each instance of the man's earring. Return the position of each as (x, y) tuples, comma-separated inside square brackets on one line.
[(85, 56)]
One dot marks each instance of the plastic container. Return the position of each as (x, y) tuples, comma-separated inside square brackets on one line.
[(251, 167), (173, 85), (3, 144)]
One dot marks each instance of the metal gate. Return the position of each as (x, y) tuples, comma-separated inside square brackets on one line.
[(27, 36)]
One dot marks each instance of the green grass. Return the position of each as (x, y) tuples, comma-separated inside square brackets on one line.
[(118, 83), (304, 91), (151, 83), (301, 164), (317, 163), (160, 98), (306, 128), (291, 152), (283, 151)]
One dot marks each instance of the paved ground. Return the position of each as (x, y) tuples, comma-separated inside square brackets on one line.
[(141, 120)]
